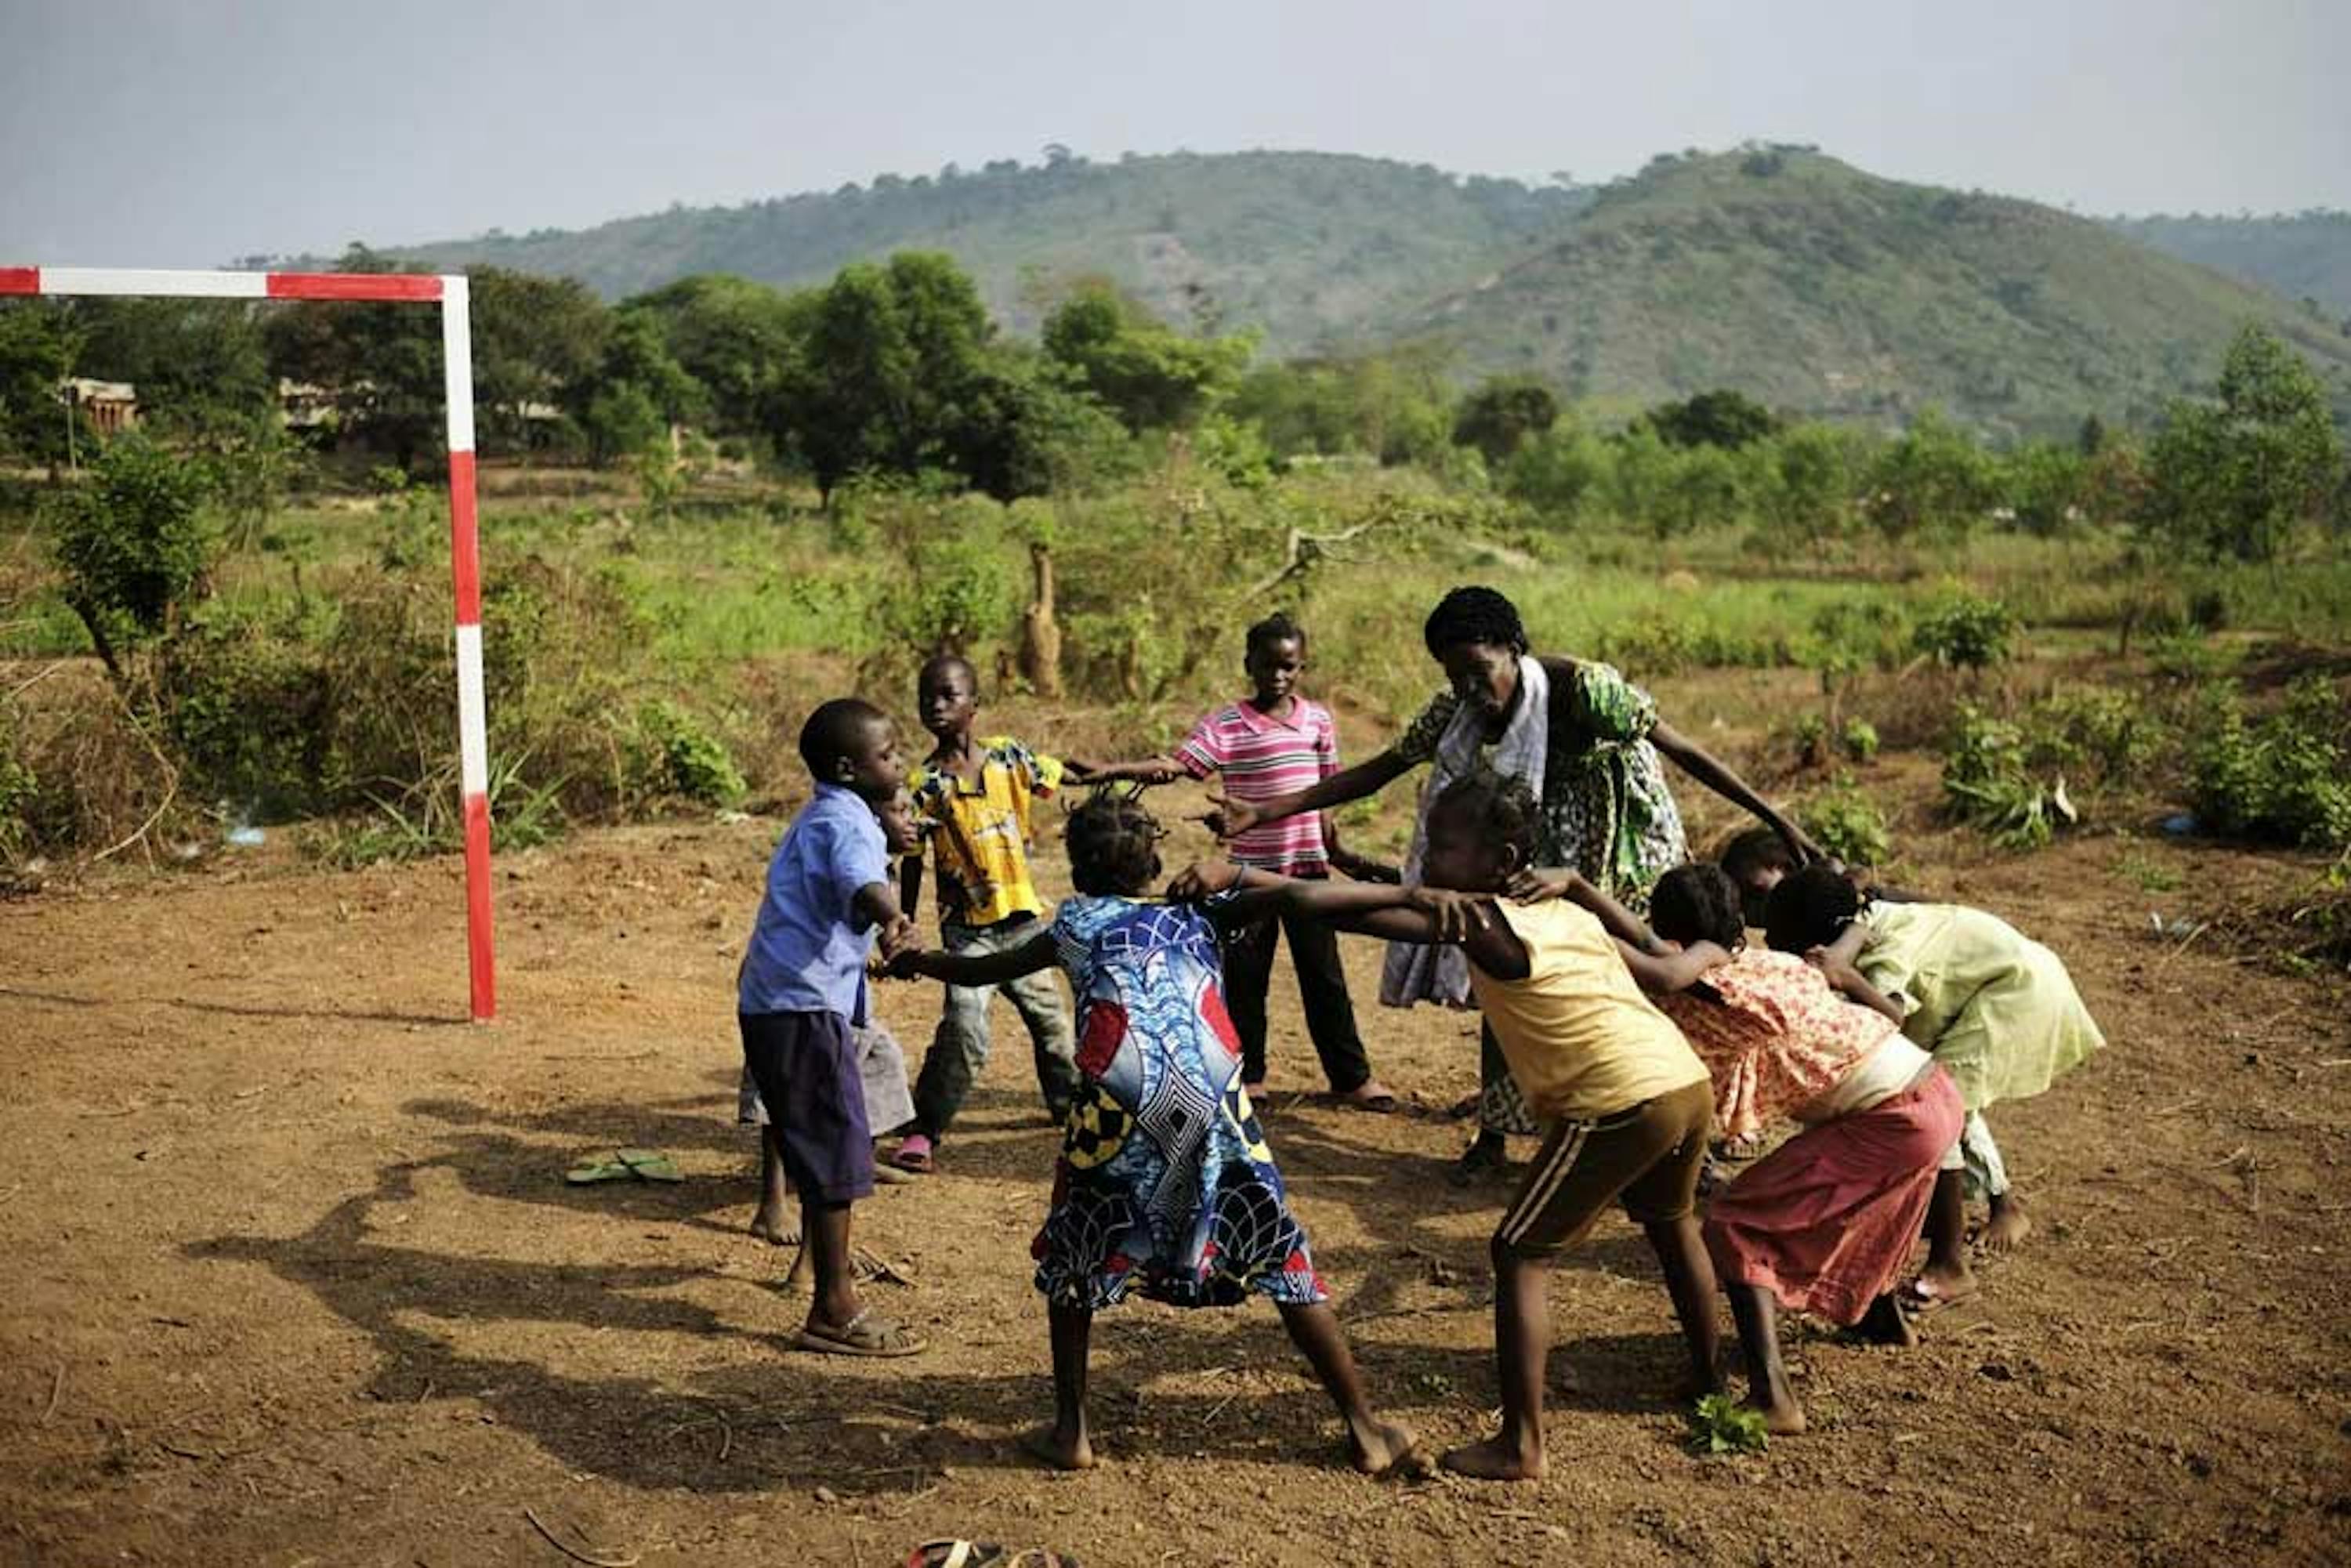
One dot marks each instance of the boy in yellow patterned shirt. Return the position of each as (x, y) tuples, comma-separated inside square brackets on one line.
[(973, 797)]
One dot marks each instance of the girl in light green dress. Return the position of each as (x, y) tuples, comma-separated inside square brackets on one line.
[(1996, 1008)]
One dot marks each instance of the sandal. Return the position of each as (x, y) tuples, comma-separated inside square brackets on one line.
[(956, 1554), (914, 1154), (642, 1165), (1371, 1098), (1917, 1298), (864, 1334)]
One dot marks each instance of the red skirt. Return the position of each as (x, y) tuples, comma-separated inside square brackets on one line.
[(1825, 1222)]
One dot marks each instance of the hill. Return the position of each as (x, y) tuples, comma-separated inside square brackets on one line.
[(1304, 245), (1822, 289), (2307, 256)]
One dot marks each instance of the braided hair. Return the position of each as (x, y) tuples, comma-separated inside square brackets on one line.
[(1501, 804), (1278, 627), (1113, 844), (1809, 908), (1698, 903), (1474, 615)]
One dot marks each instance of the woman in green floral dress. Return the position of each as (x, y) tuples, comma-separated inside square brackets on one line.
[(1590, 746)]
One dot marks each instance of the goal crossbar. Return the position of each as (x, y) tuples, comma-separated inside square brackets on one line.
[(449, 291)]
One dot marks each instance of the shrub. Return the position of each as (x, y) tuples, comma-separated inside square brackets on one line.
[(2100, 735), (243, 701), (19, 786), (133, 545), (1847, 824), (1989, 783), (2281, 778), (1966, 632), (1858, 740), (682, 758)]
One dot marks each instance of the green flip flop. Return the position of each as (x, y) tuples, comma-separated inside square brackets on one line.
[(624, 1164)]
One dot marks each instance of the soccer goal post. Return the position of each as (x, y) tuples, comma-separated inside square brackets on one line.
[(465, 534)]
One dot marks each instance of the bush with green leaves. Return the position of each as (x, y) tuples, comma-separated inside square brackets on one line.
[(1857, 738), (1989, 783), (680, 756), (243, 699), (2096, 733), (19, 784), (133, 544), (2280, 778), (1847, 824), (1966, 632)]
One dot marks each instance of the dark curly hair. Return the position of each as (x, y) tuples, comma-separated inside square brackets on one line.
[(1113, 844), (1501, 804), (1809, 908), (834, 730), (1757, 849), (1697, 903), (1474, 615), (1277, 627)]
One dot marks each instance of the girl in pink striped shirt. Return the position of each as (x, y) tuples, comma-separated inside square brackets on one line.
[(1273, 743)]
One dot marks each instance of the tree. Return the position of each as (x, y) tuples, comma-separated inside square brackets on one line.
[(890, 354), (2236, 477), (635, 394), (378, 364), (1934, 477), (738, 338), (1723, 418), (39, 347), (1151, 376), (201, 366), (537, 342), (1501, 414)]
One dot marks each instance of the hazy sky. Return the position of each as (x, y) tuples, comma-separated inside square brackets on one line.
[(148, 132)]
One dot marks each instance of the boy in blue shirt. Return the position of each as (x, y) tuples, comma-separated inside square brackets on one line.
[(803, 985)]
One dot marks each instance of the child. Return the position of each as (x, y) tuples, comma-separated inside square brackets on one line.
[(1825, 1223), (1997, 1010), (880, 1071), (1628, 1102), (1274, 742), (973, 798), (1756, 859), (1164, 1183), (802, 988)]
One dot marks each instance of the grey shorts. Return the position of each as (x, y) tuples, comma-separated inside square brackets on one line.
[(880, 1071)]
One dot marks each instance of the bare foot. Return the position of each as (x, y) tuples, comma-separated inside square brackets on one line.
[(797, 1278), (1369, 1095), (1383, 1447), (2008, 1227), (1073, 1452), (1783, 1420), (1492, 1461), (775, 1227), (1884, 1324)]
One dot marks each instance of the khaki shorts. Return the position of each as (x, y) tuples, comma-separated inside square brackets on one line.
[(1647, 1157)]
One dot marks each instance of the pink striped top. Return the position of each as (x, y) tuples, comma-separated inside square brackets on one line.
[(1262, 757)]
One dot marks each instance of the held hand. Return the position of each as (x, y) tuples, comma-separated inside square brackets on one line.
[(1229, 818), (1538, 885), (1710, 955), (905, 965), (896, 937), (1455, 913), (1203, 878)]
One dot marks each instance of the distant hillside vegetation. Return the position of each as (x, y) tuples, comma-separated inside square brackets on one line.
[(1304, 245), (1819, 288), (2303, 257), (1775, 270)]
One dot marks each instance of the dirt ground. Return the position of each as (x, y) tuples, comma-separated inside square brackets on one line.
[(293, 1278)]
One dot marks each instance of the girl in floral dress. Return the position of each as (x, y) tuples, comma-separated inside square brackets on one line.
[(1165, 1185)]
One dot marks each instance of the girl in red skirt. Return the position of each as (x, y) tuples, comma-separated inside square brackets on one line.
[(1826, 1222)]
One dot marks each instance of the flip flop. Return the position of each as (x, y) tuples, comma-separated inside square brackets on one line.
[(623, 1165), (913, 1154), (956, 1554), (864, 1334), (1919, 1299), (1381, 1104)]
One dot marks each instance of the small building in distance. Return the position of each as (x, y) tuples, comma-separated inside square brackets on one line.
[(106, 407)]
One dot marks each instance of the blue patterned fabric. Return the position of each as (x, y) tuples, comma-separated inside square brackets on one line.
[(1164, 1184)]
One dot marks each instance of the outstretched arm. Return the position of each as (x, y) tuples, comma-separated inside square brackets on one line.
[(1718, 775), (1146, 771), (1558, 882), (1663, 974), (1364, 778), (1847, 980), (979, 969)]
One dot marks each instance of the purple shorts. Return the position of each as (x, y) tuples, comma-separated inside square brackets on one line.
[(806, 1067)]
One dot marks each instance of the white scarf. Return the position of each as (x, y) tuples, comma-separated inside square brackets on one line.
[(1412, 972)]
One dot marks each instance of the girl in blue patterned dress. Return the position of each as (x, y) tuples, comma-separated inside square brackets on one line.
[(1164, 1184)]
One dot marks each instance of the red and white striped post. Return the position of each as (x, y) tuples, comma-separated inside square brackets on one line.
[(465, 534)]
